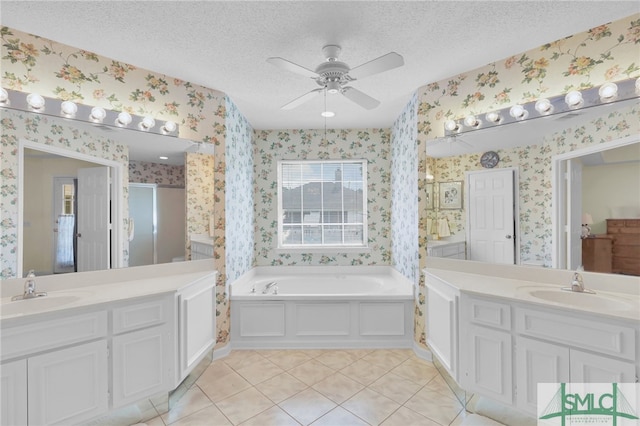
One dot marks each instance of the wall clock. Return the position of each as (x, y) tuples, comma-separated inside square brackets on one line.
[(489, 159)]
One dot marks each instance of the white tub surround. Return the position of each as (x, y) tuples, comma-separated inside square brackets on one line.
[(502, 328), (322, 307), (100, 341)]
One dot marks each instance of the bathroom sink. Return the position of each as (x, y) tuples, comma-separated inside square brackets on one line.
[(583, 300), (39, 304)]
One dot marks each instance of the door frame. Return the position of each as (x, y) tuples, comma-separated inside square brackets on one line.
[(117, 198), (559, 206), (516, 207)]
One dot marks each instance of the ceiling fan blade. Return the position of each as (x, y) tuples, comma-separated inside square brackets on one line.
[(290, 66), (362, 99), (302, 99), (383, 63)]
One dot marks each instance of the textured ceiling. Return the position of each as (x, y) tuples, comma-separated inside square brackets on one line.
[(224, 45)]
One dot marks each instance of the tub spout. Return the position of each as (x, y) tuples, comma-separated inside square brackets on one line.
[(268, 286)]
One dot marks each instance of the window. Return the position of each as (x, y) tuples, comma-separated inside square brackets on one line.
[(322, 203)]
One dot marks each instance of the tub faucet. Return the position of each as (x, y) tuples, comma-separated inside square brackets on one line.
[(30, 288), (268, 286), (577, 285)]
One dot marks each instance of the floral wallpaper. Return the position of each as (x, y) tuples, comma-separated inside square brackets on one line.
[(370, 144), (18, 125), (34, 64), (161, 174), (608, 52)]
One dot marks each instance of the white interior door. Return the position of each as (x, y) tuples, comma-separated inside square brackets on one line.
[(491, 216), (574, 213), (63, 224), (142, 209), (94, 221), (171, 220)]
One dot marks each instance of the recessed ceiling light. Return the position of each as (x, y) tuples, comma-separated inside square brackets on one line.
[(328, 114), (162, 157)]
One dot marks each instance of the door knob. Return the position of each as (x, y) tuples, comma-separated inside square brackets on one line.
[(508, 237), (79, 235)]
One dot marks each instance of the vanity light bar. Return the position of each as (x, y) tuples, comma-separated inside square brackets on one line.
[(608, 93), (95, 115)]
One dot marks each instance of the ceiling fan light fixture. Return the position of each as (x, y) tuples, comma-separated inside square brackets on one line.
[(328, 114), (333, 87)]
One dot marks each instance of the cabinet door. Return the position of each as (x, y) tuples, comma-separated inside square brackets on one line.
[(197, 326), (487, 365), (590, 368), (13, 393), (538, 362), (140, 365), (442, 330), (68, 386)]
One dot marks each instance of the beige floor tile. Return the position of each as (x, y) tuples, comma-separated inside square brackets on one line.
[(385, 359), (281, 387), (338, 387), (311, 372), (435, 406), (244, 405), (156, 421), (241, 358), (313, 353), (217, 369), (340, 416), (406, 417), (274, 416), (395, 387), (261, 370), (193, 400), (371, 406), (416, 370), (358, 353), (268, 353), (219, 389), (337, 359), (437, 384), (363, 372), (210, 416), (458, 420), (289, 359), (307, 406)]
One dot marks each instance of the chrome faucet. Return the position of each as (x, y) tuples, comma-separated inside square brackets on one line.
[(30, 288), (577, 285), (268, 286)]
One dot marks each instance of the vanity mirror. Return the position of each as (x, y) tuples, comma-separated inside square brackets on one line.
[(42, 155), (539, 152)]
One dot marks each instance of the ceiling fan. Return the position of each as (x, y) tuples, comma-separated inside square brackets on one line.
[(333, 75)]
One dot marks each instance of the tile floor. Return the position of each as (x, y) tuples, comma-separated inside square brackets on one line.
[(317, 387)]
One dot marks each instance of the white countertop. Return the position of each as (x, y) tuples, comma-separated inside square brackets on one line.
[(505, 283), (98, 287)]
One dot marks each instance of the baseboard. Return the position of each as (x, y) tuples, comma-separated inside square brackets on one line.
[(422, 352), (222, 351)]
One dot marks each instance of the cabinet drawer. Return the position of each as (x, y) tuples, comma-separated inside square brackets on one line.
[(43, 335), (488, 313), (140, 315), (578, 332)]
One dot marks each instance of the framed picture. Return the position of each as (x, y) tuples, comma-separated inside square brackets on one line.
[(450, 195), (430, 196)]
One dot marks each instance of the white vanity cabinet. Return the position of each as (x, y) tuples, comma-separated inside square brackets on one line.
[(485, 347), (452, 250), (442, 322), (13, 393), (201, 247), (142, 348)]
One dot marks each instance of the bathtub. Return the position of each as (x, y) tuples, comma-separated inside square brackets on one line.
[(322, 307)]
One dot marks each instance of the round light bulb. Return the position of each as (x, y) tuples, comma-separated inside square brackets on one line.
[(493, 117), (147, 123), (544, 106), (35, 101), (169, 127), (518, 112), (608, 92), (97, 114), (124, 119), (573, 99), (471, 121), (4, 96), (68, 109), (451, 125)]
